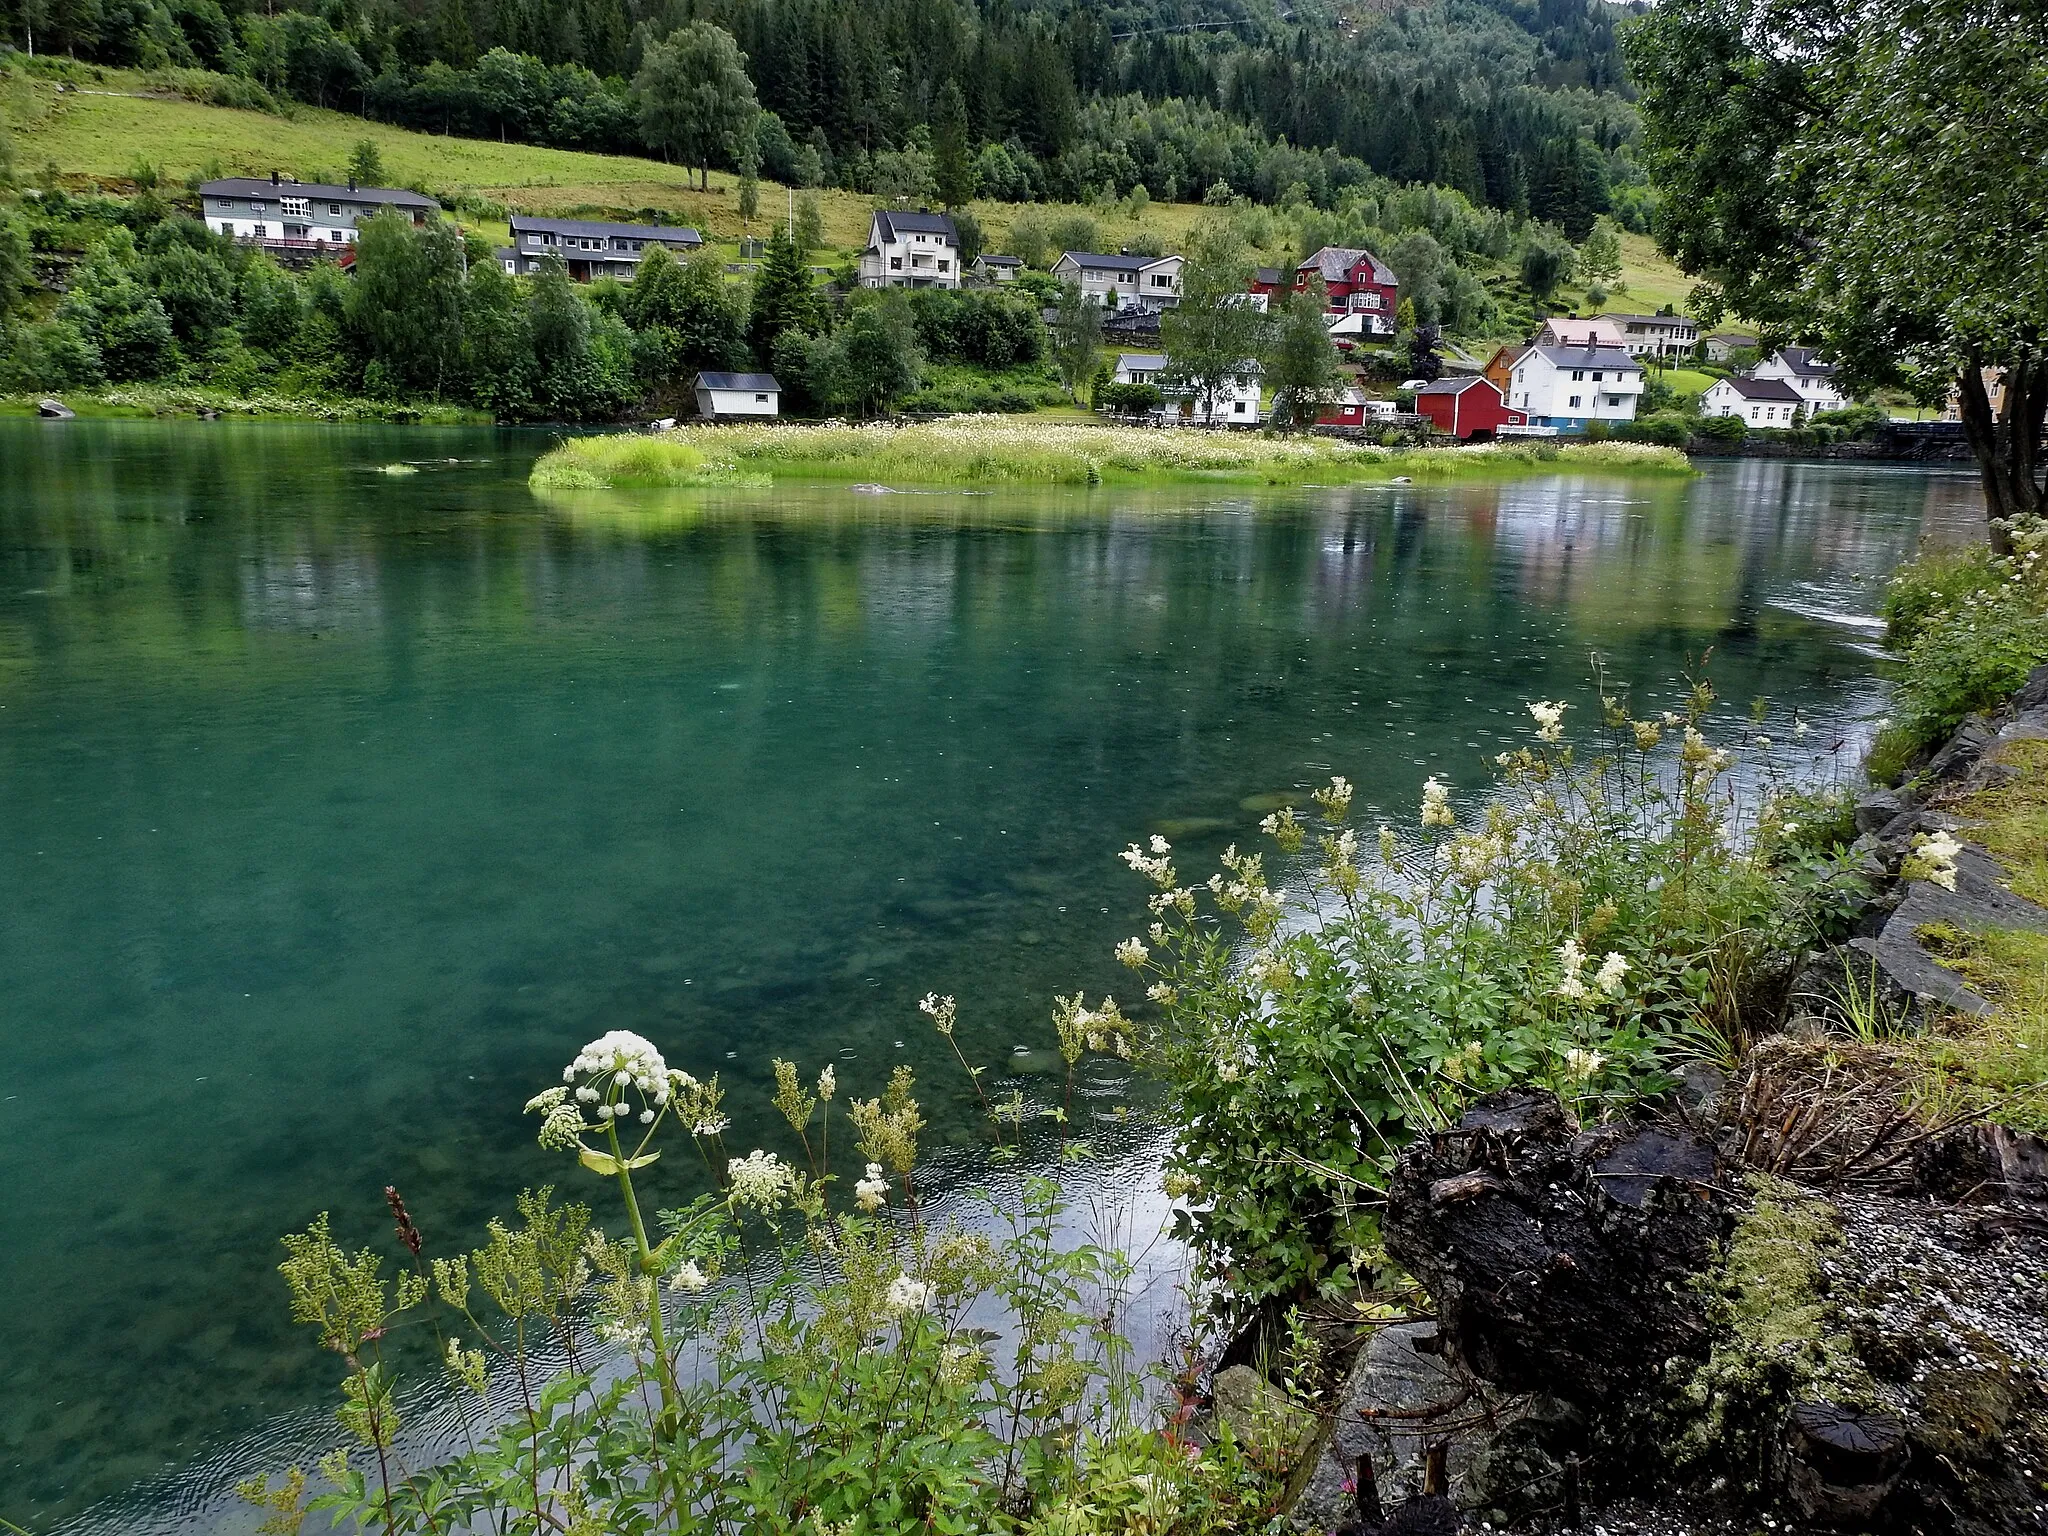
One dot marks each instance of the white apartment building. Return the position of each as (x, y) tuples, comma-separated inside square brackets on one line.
[(282, 212), (911, 250), (1570, 387)]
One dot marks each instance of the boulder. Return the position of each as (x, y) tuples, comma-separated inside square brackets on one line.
[(1878, 809), (1278, 1431), (55, 410), (1959, 756)]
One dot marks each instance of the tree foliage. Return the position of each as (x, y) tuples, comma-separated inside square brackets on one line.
[(696, 100)]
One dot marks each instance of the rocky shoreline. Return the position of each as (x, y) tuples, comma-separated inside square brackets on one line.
[(1779, 1301)]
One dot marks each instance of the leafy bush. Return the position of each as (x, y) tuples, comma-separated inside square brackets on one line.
[(1578, 933), (1932, 584), (1722, 429), (1852, 421), (1673, 429), (1129, 399)]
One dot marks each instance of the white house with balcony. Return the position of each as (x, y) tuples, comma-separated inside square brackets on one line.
[(1813, 379), (1767, 403), (910, 250), (589, 248), (1656, 335), (1569, 388), (1124, 281), (302, 215), (1236, 404)]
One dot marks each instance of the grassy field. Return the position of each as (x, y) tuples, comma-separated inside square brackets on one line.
[(1005, 450)]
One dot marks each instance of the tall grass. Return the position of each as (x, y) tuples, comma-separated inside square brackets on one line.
[(994, 449)]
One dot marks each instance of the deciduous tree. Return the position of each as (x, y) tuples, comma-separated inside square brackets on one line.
[(696, 101)]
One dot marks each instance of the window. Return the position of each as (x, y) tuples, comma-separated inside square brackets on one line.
[(1597, 375), (295, 208), (1575, 402), (760, 399), (895, 263), (334, 210), (944, 265), (1614, 402), (1239, 407)]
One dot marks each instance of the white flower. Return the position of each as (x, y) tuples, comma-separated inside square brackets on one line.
[(827, 1084), (714, 1126), (1571, 959), (1933, 859), (1132, 952), (873, 1191), (647, 1117), (1799, 730), (1609, 977), (1226, 1069), (1581, 1065), (906, 1295), (941, 1009), (1549, 719), (688, 1278), (1160, 845), (1158, 870), (761, 1180), (1436, 804)]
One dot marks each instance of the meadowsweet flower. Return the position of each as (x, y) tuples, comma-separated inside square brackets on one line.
[(1336, 800), (1571, 960), (761, 1180), (711, 1125), (1436, 804), (872, 1192), (1158, 869), (1609, 977), (1581, 1065), (1647, 732), (827, 1084), (906, 1295), (1549, 719), (1933, 859), (1180, 1186), (1465, 1061), (941, 1010), (1132, 952), (688, 1277), (1227, 1068)]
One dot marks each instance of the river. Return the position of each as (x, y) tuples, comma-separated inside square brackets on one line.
[(342, 805)]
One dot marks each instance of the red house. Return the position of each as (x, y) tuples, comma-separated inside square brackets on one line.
[(1354, 282), (1347, 410), (1469, 407), (1268, 281)]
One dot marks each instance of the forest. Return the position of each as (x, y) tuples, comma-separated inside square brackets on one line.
[(1520, 106)]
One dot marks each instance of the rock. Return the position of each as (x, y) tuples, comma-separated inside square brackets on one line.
[(1274, 800), (1913, 976), (1960, 755), (1879, 809), (1983, 1164), (2033, 692), (1838, 1463), (1568, 1259), (1279, 1432), (55, 410)]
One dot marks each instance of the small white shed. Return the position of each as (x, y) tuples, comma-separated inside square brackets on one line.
[(721, 396)]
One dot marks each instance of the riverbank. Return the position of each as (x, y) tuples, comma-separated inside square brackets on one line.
[(1005, 450), (132, 401)]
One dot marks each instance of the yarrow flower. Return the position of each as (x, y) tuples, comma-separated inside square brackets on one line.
[(1549, 719), (1436, 804), (906, 1295), (1609, 977), (871, 1192), (761, 1180)]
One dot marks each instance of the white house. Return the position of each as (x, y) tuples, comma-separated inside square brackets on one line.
[(1570, 331), (910, 250), (1723, 345), (589, 248), (1123, 282), (1139, 367), (1656, 335), (1572, 387), (301, 214), (1812, 378), (1767, 403), (996, 269), (722, 396)]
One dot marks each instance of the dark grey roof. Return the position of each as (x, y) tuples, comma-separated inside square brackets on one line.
[(1802, 362), (1090, 261), (1586, 357), (897, 221), (261, 186), (1333, 261), (1777, 391), (1000, 261), (1456, 386), (1270, 276), (674, 235), (1671, 320), (737, 381)]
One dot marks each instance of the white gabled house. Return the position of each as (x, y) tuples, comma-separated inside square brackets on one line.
[(996, 269), (588, 248), (911, 250), (725, 396), (1139, 367), (1813, 379), (1766, 403), (1123, 282), (1235, 405), (1569, 388)]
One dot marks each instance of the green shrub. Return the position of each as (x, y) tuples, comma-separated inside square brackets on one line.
[(1673, 429), (1722, 429), (1852, 421), (1933, 583), (1129, 399)]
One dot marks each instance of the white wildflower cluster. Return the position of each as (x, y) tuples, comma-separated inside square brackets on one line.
[(1181, 1186), (1463, 1064), (760, 1180), (1285, 828), (1933, 859), (1154, 866), (1549, 719), (1474, 859), (1613, 971), (1132, 952), (1245, 892), (1336, 800), (828, 1084), (1703, 764), (1570, 961), (1647, 733), (905, 1296), (1436, 804), (1271, 970), (1581, 1065), (872, 1192), (617, 1077), (941, 1010), (689, 1277)]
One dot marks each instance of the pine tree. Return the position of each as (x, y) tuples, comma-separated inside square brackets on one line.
[(952, 150), (784, 298)]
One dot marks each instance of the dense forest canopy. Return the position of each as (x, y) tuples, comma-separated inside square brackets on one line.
[(1521, 104)]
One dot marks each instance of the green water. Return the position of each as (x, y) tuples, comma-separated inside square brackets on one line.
[(341, 807)]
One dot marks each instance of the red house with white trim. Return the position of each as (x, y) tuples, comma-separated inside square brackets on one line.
[(1354, 282), (1467, 407), (1347, 410)]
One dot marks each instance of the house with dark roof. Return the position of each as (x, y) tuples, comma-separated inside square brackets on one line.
[(1764, 403), (735, 396), (1470, 408), (1270, 282), (1722, 345), (301, 215), (1656, 335), (996, 269), (1569, 388), (1805, 372), (911, 250), (1354, 282), (588, 247), (1123, 281)]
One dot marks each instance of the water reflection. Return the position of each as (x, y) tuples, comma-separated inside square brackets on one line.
[(341, 805)]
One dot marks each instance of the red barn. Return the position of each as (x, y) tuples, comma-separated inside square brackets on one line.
[(1467, 407), (1354, 282), (1347, 410)]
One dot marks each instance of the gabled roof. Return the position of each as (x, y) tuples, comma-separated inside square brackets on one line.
[(898, 221), (1457, 386), (1145, 362), (1093, 261), (1671, 320), (1802, 362), (740, 381), (259, 186), (1571, 331), (1776, 391), (1585, 357), (1270, 276), (1334, 261), (671, 234), (1000, 261)]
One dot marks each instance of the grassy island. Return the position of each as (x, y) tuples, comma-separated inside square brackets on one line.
[(1005, 450)]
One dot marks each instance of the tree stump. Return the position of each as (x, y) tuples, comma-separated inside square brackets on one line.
[(1839, 1463)]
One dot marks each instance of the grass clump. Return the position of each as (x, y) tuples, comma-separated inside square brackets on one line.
[(994, 450), (1995, 1066)]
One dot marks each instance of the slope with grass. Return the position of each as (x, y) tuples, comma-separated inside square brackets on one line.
[(1001, 450)]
